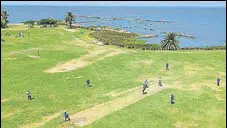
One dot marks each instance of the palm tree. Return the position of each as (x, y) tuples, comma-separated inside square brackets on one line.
[(4, 19), (69, 18), (170, 41)]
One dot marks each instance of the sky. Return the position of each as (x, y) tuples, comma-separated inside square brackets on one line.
[(119, 3)]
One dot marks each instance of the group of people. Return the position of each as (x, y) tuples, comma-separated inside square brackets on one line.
[(66, 115), (145, 86)]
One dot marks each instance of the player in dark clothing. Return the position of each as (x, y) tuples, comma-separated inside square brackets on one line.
[(167, 66), (29, 95), (144, 88), (218, 81), (66, 115), (160, 82), (145, 85), (172, 99), (88, 83)]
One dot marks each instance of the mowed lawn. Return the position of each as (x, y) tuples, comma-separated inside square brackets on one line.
[(192, 79)]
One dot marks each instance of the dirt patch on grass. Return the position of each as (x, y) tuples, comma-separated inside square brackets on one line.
[(69, 66), (186, 125), (94, 53), (4, 100), (178, 125), (4, 115), (92, 114), (45, 119), (69, 30), (79, 42), (78, 77), (11, 58), (75, 64), (36, 57), (9, 114), (93, 56)]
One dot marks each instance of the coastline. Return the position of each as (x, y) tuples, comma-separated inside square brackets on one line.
[(140, 37)]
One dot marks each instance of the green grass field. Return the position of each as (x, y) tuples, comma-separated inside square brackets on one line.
[(192, 79)]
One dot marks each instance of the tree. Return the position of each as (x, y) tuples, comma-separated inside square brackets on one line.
[(4, 19), (69, 19), (43, 22), (170, 41), (30, 23), (50, 21)]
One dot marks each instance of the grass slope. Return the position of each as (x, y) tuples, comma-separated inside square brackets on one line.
[(54, 93)]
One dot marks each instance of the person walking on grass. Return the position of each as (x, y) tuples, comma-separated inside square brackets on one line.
[(218, 81), (145, 85), (29, 95), (167, 67), (160, 82), (144, 88), (172, 99), (66, 115)]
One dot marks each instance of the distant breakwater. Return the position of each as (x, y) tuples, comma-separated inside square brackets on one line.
[(128, 19)]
